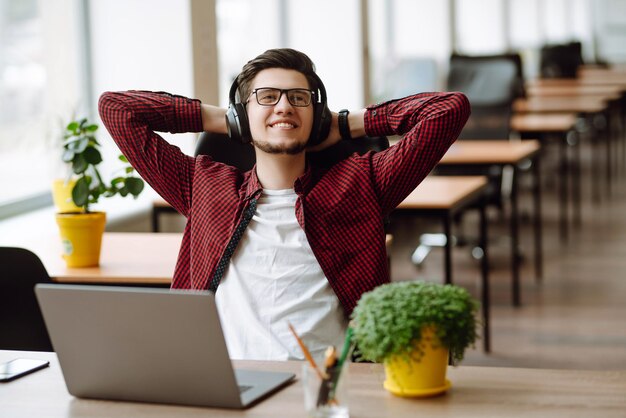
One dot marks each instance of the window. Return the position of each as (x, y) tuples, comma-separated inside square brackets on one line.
[(410, 46), (148, 48), (480, 28), (246, 28), (39, 84), (326, 30)]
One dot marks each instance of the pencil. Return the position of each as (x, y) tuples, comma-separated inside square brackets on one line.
[(326, 385), (306, 352)]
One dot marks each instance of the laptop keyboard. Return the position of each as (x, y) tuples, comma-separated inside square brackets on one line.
[(242, 388)]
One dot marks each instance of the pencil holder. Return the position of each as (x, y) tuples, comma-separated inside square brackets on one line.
[(327, 396)]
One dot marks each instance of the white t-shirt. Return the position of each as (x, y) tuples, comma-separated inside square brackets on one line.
[(273, 278)]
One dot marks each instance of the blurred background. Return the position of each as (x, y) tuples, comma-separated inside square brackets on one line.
[(58, 56)]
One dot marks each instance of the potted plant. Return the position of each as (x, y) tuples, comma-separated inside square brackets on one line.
[(413, 328), (82, 229)]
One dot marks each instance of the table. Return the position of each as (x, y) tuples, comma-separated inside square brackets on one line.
[(442, 197), (559, 104), (126, 258), (587, 105), (612, 80), (483, 392), (543, 90), (487, 153), (556, 125)]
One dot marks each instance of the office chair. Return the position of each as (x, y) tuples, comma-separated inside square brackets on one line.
[(491, 83), (21, 323), (224, 150), (560, 61), (237, 154)]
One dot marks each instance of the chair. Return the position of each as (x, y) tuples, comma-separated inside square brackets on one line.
[(491, 83), (560, 61), (237, 154), (21, 323), (224, 150)]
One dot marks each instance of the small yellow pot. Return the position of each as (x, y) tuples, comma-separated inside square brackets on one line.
[(62, 195), (81, 236), (424, 378)]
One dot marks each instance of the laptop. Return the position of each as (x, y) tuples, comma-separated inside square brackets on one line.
[(147, 345)]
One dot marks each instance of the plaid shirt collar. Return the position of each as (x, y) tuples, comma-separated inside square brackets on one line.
[(302, 185)]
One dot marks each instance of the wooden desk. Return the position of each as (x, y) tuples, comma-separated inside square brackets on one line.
[(126, 258), (559, 104), (485, 153), (543, 122), (619, 81), (442, 197), (483, 392), (549, 126), (573, 90), (601, 76)]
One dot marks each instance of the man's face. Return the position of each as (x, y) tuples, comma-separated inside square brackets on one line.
[(281, 128)]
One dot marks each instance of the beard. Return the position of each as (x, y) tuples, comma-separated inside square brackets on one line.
[(291, 149)]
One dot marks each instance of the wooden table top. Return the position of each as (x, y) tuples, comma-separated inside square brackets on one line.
[(543, 122), (125, 258), (578, 104), (619, 81), (444, 192), (593, 69), (574, 90), (489, 151), (483, 392)]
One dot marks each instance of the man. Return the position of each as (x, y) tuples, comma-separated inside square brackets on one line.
[(315, 239)]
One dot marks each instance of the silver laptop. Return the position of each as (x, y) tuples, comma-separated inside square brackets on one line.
[(148, 345)]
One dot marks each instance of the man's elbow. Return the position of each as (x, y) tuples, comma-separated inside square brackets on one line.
[(110, 103), (463, 109)]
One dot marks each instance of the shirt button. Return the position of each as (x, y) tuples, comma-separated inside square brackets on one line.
[(374, 113)]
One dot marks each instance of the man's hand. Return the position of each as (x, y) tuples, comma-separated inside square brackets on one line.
[(213, 119), (356, 122)]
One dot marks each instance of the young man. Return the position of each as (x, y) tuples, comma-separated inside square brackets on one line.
[(306, 243)]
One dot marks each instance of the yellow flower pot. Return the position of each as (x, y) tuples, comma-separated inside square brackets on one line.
[(407, 377), (62, 195), (81, 236)]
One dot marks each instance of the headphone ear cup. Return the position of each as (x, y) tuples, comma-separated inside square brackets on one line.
[(232, 123), (321, 124), (244, 125), (237, 123), (325, 122)]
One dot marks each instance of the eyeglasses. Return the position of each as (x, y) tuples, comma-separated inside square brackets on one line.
[(268, 96)]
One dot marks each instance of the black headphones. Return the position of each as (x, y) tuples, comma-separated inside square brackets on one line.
[(239, 126)]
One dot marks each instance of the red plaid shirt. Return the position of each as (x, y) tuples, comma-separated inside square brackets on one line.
[(341, 210)]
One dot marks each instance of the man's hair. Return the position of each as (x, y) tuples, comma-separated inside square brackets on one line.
[(286, 58)]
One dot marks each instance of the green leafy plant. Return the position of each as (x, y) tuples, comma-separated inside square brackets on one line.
[(81, 151), (388, 321)]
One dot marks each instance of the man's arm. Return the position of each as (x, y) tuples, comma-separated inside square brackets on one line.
[(213, 119), (430, 123), (133, 117)]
